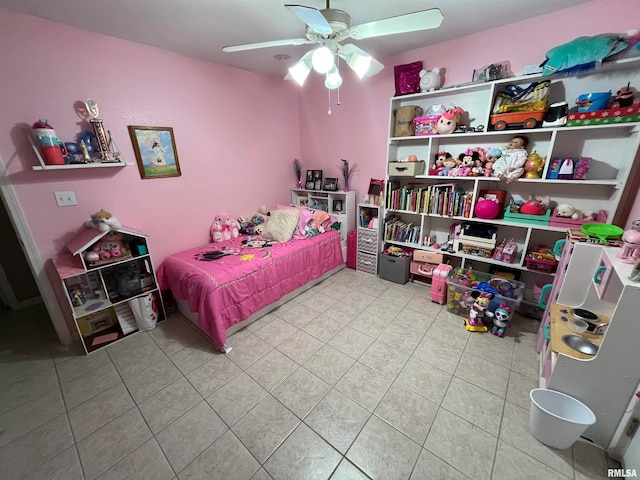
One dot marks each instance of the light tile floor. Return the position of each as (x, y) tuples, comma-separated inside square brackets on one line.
[(356, 378)]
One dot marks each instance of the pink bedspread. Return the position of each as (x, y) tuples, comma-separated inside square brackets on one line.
[(230, 289)]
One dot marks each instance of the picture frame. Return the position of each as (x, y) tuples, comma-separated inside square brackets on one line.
[(155, 151), (331, 184), (337, 206), (310, 181), (314, 180), (375, 186)]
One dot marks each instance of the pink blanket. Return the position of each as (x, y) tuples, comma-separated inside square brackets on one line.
[(230, 289)]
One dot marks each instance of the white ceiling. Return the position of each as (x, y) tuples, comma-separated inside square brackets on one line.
[(200, 28)]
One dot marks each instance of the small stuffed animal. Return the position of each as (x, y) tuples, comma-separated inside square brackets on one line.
[(448, 165), (566, 210), (501, 320), (430, 80), (103, 221), (229, 226), (110, 246), (438, 164), (448, 122), (216, 231)]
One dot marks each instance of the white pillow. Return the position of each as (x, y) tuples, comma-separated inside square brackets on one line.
[(280, 225)]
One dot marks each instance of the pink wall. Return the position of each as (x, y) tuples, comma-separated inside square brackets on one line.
[(236, 133), (358, 129)]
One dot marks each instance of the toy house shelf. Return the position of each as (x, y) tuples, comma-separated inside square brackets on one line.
[(99, 277), (613, 149)]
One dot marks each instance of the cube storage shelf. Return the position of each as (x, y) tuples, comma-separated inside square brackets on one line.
[(100, 275), (329, 202), (368, 238), (612, 148)]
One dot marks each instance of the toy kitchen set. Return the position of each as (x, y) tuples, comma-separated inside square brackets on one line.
[(590, 337)]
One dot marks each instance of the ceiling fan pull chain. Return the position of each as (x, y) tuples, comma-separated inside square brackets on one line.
[(329, 112)]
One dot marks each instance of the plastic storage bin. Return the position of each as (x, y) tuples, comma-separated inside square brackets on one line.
[(395, 269), (556, 419), (461, 284)]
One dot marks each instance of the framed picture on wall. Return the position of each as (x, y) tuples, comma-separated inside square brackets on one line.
[(155, 150)]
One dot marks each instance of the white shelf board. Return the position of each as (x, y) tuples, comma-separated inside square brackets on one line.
[(82, 165)]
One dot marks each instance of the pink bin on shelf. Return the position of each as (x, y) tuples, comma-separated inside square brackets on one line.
[(426, 125)]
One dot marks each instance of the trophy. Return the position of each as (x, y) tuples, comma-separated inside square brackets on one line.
[(104, 152)]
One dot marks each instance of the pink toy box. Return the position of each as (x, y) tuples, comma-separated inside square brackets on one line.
[(426, 125)]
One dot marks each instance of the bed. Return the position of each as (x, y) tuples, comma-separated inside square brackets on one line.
[(225, 294)]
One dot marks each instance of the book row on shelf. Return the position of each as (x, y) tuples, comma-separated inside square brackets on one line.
[(399, 231), (448, 200)]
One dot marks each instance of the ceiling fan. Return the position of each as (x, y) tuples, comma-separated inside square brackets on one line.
[(329, 27)]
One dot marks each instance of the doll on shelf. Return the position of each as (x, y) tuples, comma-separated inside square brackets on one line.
[(493, 154), (511, 164)]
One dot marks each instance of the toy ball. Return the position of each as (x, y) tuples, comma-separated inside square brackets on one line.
[(486, 209)]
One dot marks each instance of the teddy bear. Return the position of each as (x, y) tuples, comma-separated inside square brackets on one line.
[(566, 210), (230, 227), (109, 246), (103, 221)]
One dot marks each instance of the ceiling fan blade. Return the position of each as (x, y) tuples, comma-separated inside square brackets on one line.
[(411, 22), (274, 43), (312, 17), (347, 53)]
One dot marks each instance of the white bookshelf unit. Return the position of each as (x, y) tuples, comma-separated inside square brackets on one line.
[(612, 148)]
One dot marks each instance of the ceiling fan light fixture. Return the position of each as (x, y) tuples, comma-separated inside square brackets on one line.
[(300, 71), (333, 79), (322, 60), (360, 64)]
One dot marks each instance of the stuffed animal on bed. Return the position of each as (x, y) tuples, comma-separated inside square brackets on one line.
[(280, 226), (229, 226), (248, 223), (216, 231)]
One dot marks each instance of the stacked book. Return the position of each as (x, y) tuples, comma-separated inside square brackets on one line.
[(397, 230), (448, 200)]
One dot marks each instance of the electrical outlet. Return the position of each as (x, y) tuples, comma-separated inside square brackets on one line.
[(65, 199)]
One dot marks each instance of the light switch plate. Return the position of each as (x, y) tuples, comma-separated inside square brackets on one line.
[(65, 199)]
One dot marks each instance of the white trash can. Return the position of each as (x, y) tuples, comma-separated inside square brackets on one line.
[(556, 419)]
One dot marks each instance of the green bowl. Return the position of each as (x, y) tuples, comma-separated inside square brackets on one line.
[(603, 231)]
